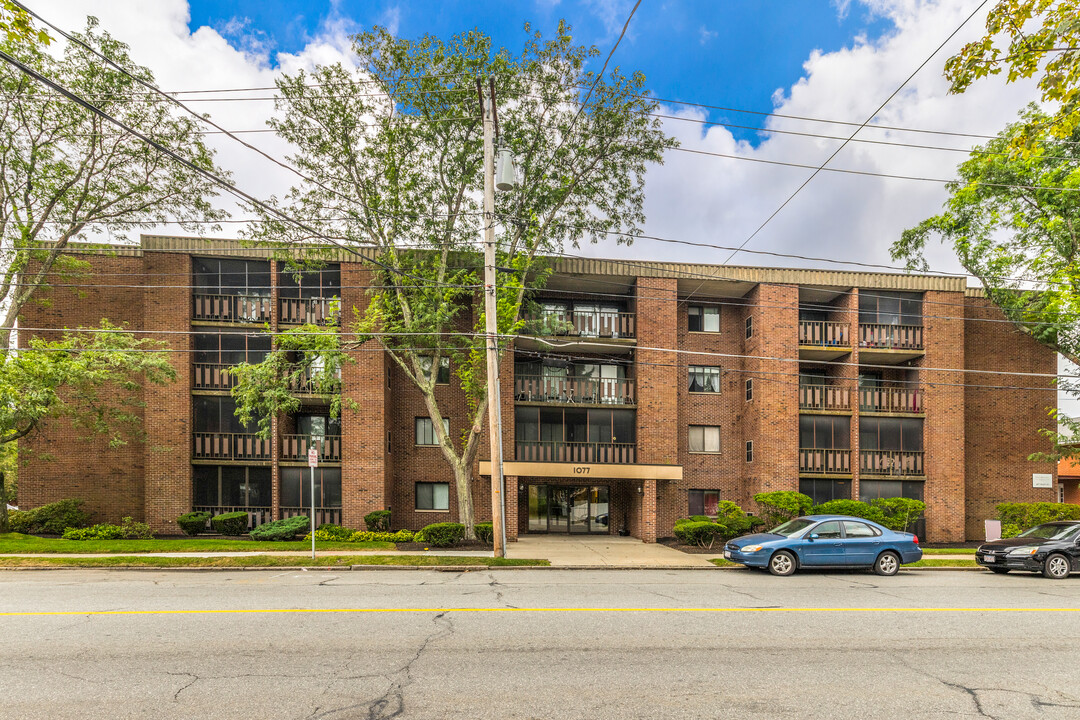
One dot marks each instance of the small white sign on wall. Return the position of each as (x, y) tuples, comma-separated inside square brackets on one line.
[(993, 530), (1042, 480)]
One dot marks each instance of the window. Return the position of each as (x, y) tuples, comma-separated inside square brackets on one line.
[(231, 486), (230, 348), (425, 431), (749, 390), (749, 451), (749, 326), (704, 439), (443, 378), (223, 276), (389, 446), (216, 414), (822, 491), (827, 530), (855, 529), (903, 434), (296, 487), (890, 308), (432, 496), (295, 283), (704, 502), (824, 432), (704, 379), (703, 319), (873, 489)]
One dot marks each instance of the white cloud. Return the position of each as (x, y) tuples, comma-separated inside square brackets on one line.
[(705, 35)]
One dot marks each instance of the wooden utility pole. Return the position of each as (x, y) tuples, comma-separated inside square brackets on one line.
[(498, 508)]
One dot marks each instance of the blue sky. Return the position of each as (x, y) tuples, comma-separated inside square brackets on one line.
[(734, 53)]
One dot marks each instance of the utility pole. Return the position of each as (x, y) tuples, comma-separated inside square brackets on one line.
[(498, 507)]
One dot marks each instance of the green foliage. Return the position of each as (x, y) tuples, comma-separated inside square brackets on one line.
[(443, 534), (696, 532), (17, 27), (329, 531), (21, 521), (51, 519), (782, 505), (899, 513), (193, 523), (702, 530), (851, 508), (378, 521), (322, 534), (485, 532), (286, 529), (127, 530), (1009, 530), (1027, 515), (232, 523)]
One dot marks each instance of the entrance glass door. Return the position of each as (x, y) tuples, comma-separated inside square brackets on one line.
[(565, 509), (558, 508)]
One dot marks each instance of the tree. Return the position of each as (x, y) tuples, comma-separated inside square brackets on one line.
[(394, 154), (1043, 39), (16, 26), (1014, 223)]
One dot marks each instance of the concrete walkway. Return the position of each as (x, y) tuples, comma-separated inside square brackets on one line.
[(602, 551)]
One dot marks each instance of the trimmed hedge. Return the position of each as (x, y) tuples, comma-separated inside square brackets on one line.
[(51, 519), (443, 534), (485, 532), (400, 536), (127, 530), (894, 513), (193, 523), (851, 508), (233, 523), (704, 531), (286, 529), (698, 532), (781, 506), (1017, 517), (21, 521), (328, 531), (378, 521)]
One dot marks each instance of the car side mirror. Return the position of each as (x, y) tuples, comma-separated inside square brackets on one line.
[(814, 536)]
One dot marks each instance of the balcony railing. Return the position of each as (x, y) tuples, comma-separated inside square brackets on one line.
[(231, 308), (824, 333), (574, 389), (212, 376), (824, 397), (891, 337), (256, 515), (307, 311), (295, 447), (576, 452), (304, 384), (230, 446), (891, 463), (824, 461), (582, 324), (891, 398), (323, 515)]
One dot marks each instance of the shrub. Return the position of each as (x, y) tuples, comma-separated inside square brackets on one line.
[(781, 506), (21, 521), (127, 530), (193, 523), (135, 530), (419, 536), (899, 513), (696, 532), (328, 531), (233, 523), (363, 536), (443, 534), (378, 521), (485, 532), (1028, 515), (56, 517), (851, 508), (286, 529), (1010, 530)]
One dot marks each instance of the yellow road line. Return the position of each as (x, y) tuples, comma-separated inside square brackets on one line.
[(552, 610)]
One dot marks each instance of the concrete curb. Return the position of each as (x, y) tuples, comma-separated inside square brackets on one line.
[(435, 568)]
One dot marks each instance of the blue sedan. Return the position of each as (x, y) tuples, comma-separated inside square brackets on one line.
[(825, 541)]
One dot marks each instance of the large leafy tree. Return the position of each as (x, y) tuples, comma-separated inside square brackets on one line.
[(17, 26), (393, 150), (1014, 223)]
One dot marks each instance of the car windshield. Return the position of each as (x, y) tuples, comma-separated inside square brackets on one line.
[(792, 527), (1049, 532)]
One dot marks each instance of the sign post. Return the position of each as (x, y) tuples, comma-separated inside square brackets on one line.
[(313, 462)]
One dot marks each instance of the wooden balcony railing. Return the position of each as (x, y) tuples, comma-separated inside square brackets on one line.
[(231, 308), (313, 311), (256, 515), (582, 324), (824, 397), (304, 385), (892, 463), (824, 333), (576, 452), (824, 461), (230, 446), (574, 389), (323, 515), (295, 447), (211, 376), (891, 398), (891, 337)]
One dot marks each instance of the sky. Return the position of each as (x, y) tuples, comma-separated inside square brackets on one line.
[(818, 59)]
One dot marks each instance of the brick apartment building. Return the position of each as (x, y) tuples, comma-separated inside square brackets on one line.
[(643, 392)]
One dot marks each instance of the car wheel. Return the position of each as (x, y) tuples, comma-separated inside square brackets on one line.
[(782, 563), (1056, 567), (998, 571), (887, 563)]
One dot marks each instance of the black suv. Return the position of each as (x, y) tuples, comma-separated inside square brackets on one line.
[(1052, 548)]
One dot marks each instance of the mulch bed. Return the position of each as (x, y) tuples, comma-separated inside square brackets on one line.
[(716, 550)]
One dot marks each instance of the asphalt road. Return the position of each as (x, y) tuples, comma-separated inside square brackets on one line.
[(537, 644)]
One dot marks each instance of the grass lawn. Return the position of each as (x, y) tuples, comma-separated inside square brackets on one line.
[(932, 562), (16, 543), (265, 561), (948, 551)]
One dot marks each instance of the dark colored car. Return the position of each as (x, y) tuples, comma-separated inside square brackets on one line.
[(1052, 549), (825, 541)]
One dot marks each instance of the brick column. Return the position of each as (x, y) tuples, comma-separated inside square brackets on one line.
[(648, 511), (511, 498)]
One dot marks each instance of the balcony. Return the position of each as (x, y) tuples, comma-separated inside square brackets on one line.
[(891, 398), (574, 389), (824, 397), (576, 452), (823, 339), (231, 308), (824, 461), (891, 463), (212, 376), (889, 344), (295, 447), (584, 324), (323, 515), (256, 515), (305, 385), (230, 446), (308, 311)]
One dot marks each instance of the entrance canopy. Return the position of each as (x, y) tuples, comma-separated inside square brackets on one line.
[(585, 471)]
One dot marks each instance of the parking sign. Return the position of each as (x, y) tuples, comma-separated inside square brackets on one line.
[(312, 458)]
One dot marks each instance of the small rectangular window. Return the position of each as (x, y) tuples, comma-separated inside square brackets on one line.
[(443, 377), (389, 445), (749, 326), (432, 496), (749, 390), (425, 431), (749, 451), (703, 319), (704, 502), (704, 439), (704, 379)]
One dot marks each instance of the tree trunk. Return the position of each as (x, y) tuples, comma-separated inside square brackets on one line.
[(3, 505), (463, 484)]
